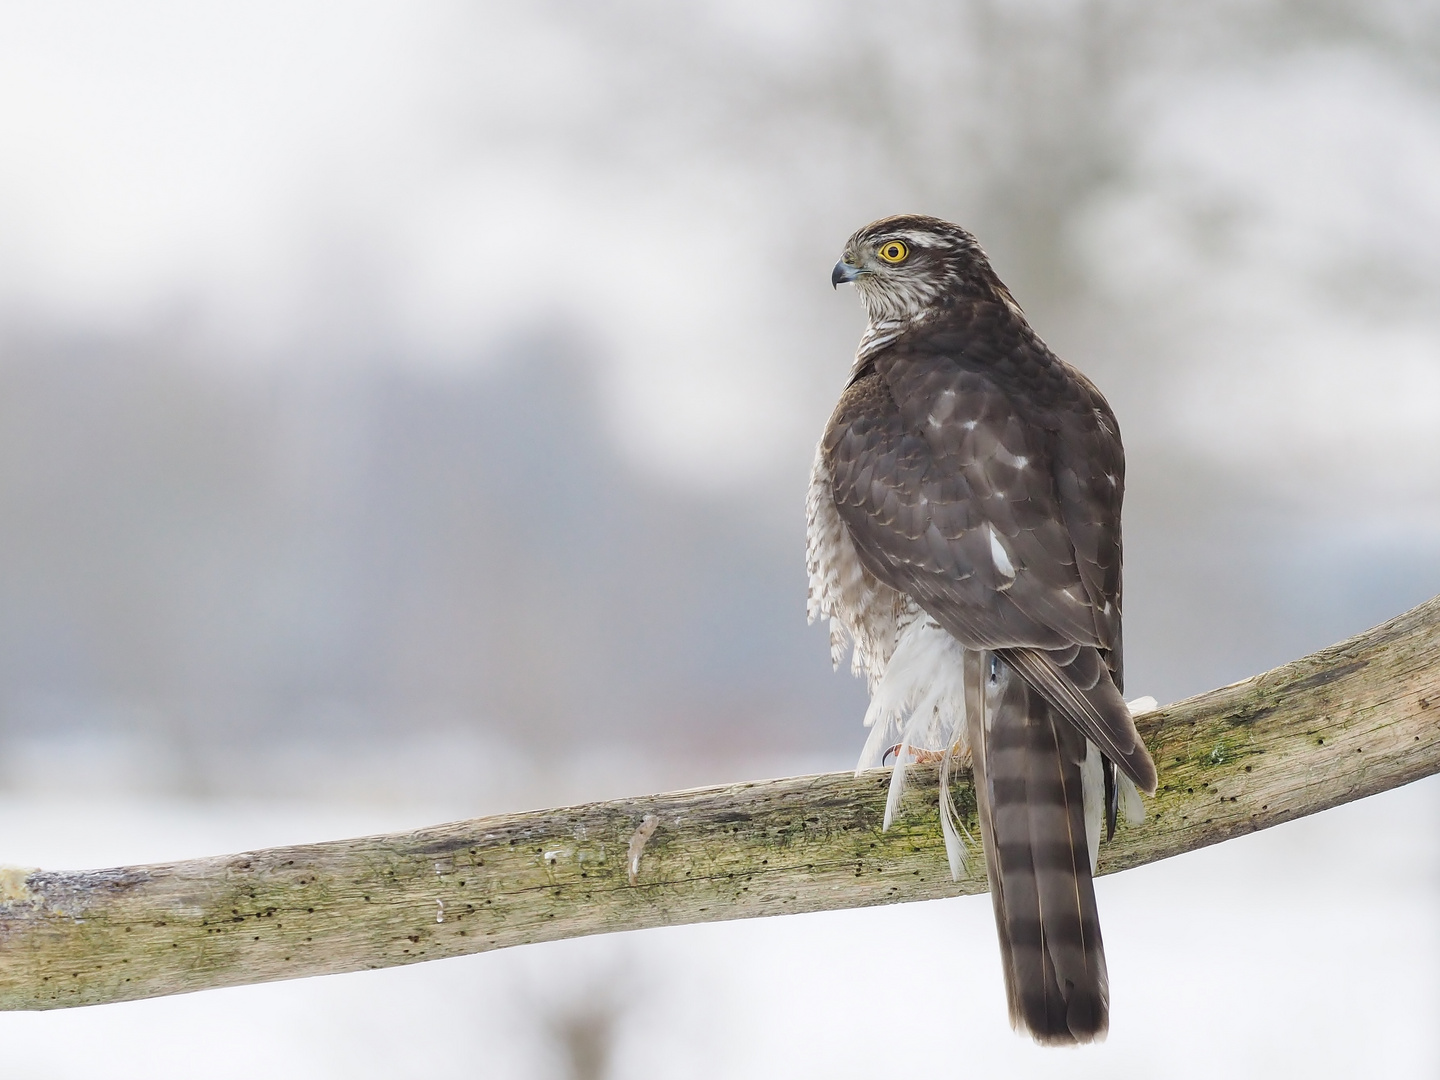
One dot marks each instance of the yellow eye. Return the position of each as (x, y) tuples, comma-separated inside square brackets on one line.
[(893, 251)]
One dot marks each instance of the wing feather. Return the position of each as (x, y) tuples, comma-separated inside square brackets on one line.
[(1085, 694), (982, 476)]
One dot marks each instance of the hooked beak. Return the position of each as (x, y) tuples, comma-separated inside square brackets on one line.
[(843, 272)]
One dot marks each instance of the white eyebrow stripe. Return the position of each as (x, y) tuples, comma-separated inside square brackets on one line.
[(914, 239)]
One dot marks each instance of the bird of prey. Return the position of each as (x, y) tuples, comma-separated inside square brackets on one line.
[(964, 537)]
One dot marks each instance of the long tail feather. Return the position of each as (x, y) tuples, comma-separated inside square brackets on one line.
[(1029, 783)]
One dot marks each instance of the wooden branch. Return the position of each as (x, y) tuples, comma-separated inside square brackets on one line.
[(1346, 722)]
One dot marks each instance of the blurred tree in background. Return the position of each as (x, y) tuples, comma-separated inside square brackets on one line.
[(504, 445)]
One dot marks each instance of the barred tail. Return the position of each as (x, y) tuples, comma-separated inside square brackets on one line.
[(1032, 816)]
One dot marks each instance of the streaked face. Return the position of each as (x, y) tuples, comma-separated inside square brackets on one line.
[(902, 265)]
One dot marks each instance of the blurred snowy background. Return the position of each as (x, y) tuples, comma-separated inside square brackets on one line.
[(406, 410)]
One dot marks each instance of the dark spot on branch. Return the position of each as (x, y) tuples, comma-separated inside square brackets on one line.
[(1327, 675), (444, 847)]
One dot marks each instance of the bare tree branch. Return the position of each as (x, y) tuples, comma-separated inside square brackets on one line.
[(1346, 722)]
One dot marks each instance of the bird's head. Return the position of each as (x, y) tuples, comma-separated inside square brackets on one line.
[(910, 264)]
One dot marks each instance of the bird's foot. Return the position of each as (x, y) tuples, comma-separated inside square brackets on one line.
[(919, 756)]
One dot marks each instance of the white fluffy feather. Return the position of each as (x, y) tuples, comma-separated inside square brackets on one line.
[(950, 826), (920, 694)]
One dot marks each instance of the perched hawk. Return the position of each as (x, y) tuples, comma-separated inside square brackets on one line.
[(964, 535)]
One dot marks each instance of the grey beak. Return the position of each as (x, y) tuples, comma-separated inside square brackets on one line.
[(843, 272)]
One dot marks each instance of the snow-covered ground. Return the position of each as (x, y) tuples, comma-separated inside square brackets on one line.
[(1309, 950)]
